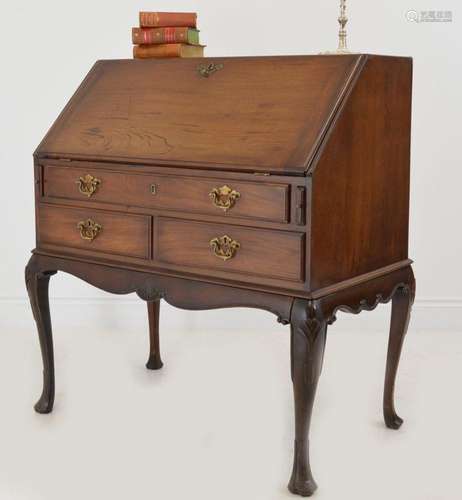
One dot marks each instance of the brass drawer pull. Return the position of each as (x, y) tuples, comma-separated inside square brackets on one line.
[(89, 229), (224, 197), (224, 247), (206, 70), (88, 185)]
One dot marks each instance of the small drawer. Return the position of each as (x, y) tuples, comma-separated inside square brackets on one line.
[(228, 248), (262, 200), (95, 230)]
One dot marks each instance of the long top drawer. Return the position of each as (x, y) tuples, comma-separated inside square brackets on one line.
[(268, 201)]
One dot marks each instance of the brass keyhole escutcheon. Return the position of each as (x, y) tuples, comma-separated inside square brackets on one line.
[(88, 185), (153, 188), (206, 70), (224, 247), (89, 229), (224, 197)]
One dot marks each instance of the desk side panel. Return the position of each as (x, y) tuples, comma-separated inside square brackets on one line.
[(360, 197)]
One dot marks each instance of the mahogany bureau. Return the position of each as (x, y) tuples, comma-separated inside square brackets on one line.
[(279, 183)]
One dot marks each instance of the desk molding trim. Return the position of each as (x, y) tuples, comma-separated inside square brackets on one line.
[(178, 292)]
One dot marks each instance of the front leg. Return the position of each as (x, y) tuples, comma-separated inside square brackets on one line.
[(308, 336), (37, 288), (400, 313)]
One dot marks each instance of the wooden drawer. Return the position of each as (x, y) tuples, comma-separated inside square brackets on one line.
[(268, 253), (256, 200), (112, 233)]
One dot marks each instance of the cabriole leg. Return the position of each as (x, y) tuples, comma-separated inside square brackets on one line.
[(400, 314), (154, 361), (37, 288), (308, 336)]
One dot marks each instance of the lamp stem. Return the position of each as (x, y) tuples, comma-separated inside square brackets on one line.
[(342, 34)]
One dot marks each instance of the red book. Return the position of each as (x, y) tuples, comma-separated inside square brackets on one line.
[(168, 19)]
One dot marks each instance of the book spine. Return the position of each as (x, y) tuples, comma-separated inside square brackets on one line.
[(168, 19), (143, 36), (165, 50)]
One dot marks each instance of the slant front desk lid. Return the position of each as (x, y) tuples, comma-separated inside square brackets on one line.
[(261, 114)]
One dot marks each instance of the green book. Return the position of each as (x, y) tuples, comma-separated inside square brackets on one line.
[(150, 36)]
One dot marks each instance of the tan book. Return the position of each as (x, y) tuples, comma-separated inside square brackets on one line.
[(167, 50)]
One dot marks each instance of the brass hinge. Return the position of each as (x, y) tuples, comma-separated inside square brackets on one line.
[(300, 205)]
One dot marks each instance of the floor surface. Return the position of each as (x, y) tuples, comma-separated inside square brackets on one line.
[(216, 421)]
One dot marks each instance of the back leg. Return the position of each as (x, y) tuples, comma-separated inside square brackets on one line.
[(154, 361)]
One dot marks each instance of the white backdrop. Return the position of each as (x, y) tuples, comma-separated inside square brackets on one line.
[(47, 47)]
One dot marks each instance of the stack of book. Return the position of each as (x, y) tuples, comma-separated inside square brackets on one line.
[(167, 34)]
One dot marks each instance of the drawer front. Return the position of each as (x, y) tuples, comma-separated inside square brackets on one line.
[(209, 196), (95, 230), (228, 248)]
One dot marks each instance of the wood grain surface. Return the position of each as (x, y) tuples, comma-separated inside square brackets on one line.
[(257, 113)]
